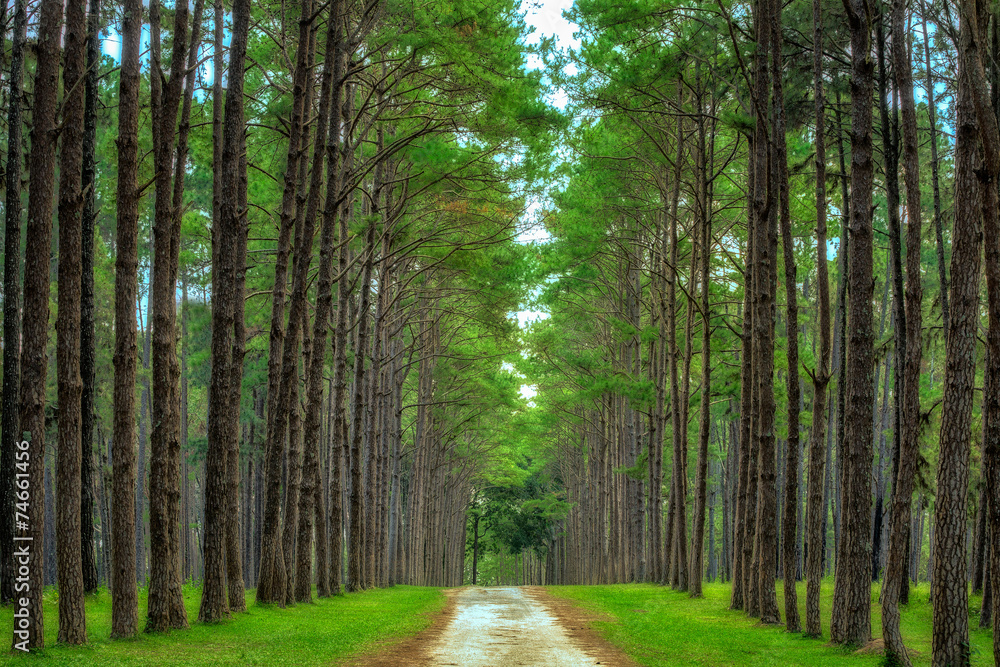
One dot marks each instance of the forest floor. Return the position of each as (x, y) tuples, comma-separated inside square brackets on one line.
[(657, 626), (504, 627), (327, 632)]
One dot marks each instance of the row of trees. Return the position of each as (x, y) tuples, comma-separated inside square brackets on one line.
[(690, 275), (337, 176)]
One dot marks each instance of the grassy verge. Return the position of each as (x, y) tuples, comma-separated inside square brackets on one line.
[(318, 634), (659, 626)]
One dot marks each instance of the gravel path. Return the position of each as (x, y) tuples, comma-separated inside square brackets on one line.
[(501, 627)]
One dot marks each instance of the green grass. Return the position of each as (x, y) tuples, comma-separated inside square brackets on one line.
[(658, 626), (318, 634)]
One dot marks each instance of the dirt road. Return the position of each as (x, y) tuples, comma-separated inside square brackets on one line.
[(504, 627)]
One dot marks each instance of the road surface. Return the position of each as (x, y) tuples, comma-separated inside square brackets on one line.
[(504, 627)]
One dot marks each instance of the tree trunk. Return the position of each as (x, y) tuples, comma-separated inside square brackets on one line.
[(705, 416), (124, 597), (851, 622), (11, 304), (909, 364), (763, 597), (72, 623), (938, 219), (274, 442), (329, 117), (780, 171), (87, 352), (356, 552), (34, 359), (166, 602), (219, 559), (816, 510), (949, 586)]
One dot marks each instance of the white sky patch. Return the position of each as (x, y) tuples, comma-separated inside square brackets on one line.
[(547, 20), (526, 317), (532, 228), (528, 392)]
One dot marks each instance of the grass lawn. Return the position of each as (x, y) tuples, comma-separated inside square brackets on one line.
[(659, 626), (316, 634)]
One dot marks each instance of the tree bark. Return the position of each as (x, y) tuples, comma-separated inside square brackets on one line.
[(87, 351), (935, 181), (705, 417), (949, 589), (356, 553), (34, 359), (329, 117), (909, 445), (851, 621), (124, 598), (72, 615), (780, 167), (165, 603), (763, 597), (817, 509), (11, 303), (227, 240)]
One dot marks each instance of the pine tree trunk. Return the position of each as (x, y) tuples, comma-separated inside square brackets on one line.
[(34, 360), (949, 585), (329, 117), (935, 181), (229, 243), (124, 598), (72, 623), (705, 416), (763, 597), (908, 425), (87, 352), (234, 565), (165, 604), (274, 440), (816, 510), (791, 486), (356, 579), (11, 303), (851, 621)]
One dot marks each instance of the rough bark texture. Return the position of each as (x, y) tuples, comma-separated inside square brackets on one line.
[(742, 533), (780, 168), (340, 447), (72, 623), (277, 547), (705, 417), (909, 447), (11, 303), (816, 507), (235, 585), (34, 359), (975, 194), (763, 601), (124, 599), (214, 604), (356, 551), (991, 389), (166, 604), (329, 117), (935, 181), (87, 351), (851, 621)]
